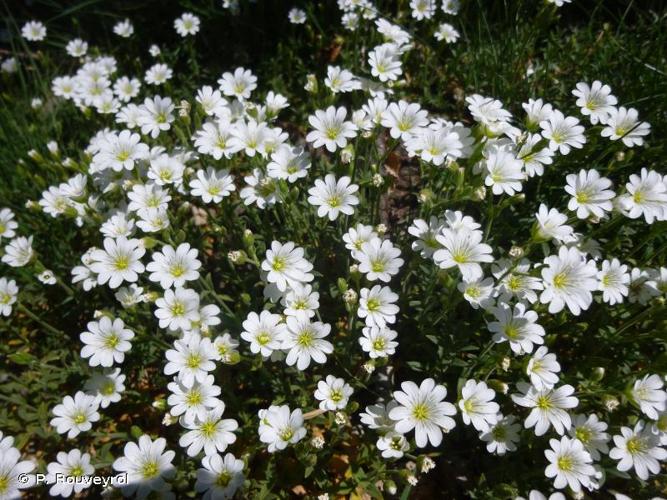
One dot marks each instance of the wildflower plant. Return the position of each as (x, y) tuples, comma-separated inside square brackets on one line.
[(324, 266)]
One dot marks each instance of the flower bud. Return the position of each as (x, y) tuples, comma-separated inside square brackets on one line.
[(311, 83), (377, 180), (350, 297), (479, 194), (347, 154), (516, 252), (598, 373), (381, 229)]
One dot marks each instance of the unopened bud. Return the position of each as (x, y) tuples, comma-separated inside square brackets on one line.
[(479, 194), (377, 180), (516, 252), (350, 296)]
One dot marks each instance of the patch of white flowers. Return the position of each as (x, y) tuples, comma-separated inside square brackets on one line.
[(135, 180)]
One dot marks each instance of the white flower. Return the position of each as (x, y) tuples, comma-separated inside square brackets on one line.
[(477, 406), (249, 137), (33, 31), (543, 368), (379, 259), (106, 342), (446, 32), (195, 399), (330, 128), (422, 408), (463, 249), (385, 62), (76, 48), (11, 468), (392, 32), (563, 133), (225, 347), (106, 387), (146, 465), (279, 427), (127, 89), (289, 163), (212, 185), (220, 477), (642, 288), (590, 193), (296, 16), (478, 293), (423, 9), (165, 170), (178, 308), (377, 416), (613, 281), (551, 225), (75, 415), (8, 293), (392, 445), (333, 393), (435, 145), (158, 74), (155, 115), (504, 172), (595, 101), (187, 24), (518, 327), (515, 282), (490, 113), (624, 124), (358, 235), (191, 359), (303, 341), (569, 464), (74, 465), (568, 280), (333, 197), (260, 189), (378, 342), (214, 139), (591, 432), (647, 196), (123, 28), (239, 85), (502, 436), (174, 267), (638, 448), (7, 223), (18, 252), (425, 233), (211, 433), (649, 395), (548, 407), (264, 332), (147, 196), (403, 118), (377, 306), (286, 266), (534, 159), (536, 111), (300, 300), (118, 262), (341, 80)]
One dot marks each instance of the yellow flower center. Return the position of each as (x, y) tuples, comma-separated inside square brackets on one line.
[(122, 263), (193, 398), (560, 280), (150, 469), (373, 304), (223, 479), (111, 341), (208, 429), (178, 309), (565, 463), (420, 412), (543, 403), (583, 434), (177, 270), (305, 338), (193, 361), (278, 264), (79, 418), (636, 445)]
